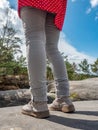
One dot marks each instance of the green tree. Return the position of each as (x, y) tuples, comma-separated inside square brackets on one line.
[(9, 47), (94, 67), (84, 66), (21, 66), (70, 68)]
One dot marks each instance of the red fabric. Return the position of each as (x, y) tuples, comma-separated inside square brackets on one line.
[(54, 6)]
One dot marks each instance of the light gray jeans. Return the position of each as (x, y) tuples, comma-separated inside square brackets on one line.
[(42, 42)]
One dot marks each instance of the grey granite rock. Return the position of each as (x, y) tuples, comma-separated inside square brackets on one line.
[(18, 97), (85, 89), (14, 97), (85, 118), (79, 90)]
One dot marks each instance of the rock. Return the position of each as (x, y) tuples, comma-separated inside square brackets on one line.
[(85, 118), (51, 97), (84, 89), (79, 90), (51, 87), (14, 97), (18, 97)]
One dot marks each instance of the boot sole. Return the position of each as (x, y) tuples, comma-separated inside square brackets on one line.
[(44, 114), (65, 109)]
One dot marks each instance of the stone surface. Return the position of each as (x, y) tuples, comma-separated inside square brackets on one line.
[(85, 89), (14, 97), (79, 90), (18, 97), (85, 118)]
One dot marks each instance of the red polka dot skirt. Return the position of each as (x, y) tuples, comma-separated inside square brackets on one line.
[(57, 7)]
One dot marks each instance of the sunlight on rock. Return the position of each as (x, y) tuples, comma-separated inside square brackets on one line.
[(15, 128)]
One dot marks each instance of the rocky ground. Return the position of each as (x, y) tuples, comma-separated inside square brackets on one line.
[(79, 90), (85, 118), (84, 89)]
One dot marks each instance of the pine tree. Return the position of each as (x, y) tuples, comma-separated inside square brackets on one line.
[(94, 67), (9, 47), (84, 66)]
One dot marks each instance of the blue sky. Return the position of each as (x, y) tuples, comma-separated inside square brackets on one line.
[(80, 26)]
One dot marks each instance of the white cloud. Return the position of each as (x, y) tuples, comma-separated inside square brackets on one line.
[(73, 54), (94, 3), (88, 10), (4, 4), (14, 20)]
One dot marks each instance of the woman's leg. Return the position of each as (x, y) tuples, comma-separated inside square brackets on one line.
[(54, 56), (34, 26), (62, 101)]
